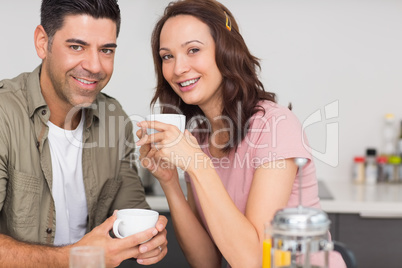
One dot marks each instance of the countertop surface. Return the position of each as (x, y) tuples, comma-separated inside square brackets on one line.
[(379, 200)]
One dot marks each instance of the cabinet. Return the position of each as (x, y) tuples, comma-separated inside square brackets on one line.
[(376, 242)]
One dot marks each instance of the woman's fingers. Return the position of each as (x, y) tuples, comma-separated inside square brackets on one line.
[(165, 133), (142, 133), (150, 139)]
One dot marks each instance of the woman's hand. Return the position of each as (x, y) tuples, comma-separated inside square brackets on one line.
[(162, 170), (167, 149)]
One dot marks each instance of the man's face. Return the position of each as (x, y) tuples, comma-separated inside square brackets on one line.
[(79, 62)]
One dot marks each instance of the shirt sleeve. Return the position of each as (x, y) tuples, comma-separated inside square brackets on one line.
[(277, 135), (3, 163)]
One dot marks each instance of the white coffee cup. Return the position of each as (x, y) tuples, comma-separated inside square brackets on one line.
[(134, 220), (178, 120)]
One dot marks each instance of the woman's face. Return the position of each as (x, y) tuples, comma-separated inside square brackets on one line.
[(187, 50)]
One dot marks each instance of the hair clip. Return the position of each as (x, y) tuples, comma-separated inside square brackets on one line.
[(228, 22)]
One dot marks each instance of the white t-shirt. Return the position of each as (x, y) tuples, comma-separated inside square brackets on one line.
[(68, 185)]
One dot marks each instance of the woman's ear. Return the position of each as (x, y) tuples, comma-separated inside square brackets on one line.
[(41, 42)]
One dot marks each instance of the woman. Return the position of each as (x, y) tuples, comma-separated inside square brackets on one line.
[(239, 161)]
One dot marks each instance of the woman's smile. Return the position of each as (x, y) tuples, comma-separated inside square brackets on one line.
[(188, 84)]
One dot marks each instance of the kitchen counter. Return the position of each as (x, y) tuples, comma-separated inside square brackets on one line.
[(157, 199), (158, 203), (377, 201), (371, 201), (361, 216)]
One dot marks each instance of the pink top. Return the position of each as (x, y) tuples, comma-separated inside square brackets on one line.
[(274, 136)]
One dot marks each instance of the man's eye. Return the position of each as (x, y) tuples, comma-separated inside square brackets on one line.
[(76, 47), (107, 51)]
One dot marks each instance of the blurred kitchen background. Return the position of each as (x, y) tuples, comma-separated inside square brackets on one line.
[(339, 62), (338, 59)]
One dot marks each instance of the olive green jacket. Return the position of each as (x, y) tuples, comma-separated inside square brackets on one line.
[(27, 211)]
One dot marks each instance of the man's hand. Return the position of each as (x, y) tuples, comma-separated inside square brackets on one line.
[(156, 249), (118, 250)]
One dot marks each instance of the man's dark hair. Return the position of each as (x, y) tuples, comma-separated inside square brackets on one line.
[(53, 12)]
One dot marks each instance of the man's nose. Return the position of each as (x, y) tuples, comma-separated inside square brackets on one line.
[(92, 62)]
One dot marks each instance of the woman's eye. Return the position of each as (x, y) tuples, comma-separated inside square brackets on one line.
[(193, 50), (166, 57), (76, 47)]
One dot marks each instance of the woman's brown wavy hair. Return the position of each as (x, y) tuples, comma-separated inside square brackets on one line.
[(240, 83)]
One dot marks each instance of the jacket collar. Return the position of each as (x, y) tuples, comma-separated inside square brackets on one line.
[(34, 94)]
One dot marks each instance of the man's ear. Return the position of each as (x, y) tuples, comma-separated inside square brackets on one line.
[(41, 41)]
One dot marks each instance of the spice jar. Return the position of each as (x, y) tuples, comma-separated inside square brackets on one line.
[(382, 169), (371, 166), (358, 169), (394, 167)]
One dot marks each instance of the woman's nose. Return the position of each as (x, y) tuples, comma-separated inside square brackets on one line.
[(181, 65)]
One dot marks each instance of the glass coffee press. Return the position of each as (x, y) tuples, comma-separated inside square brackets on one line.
[(297, 237)]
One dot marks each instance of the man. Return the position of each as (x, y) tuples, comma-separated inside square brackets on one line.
[(65, 147)]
